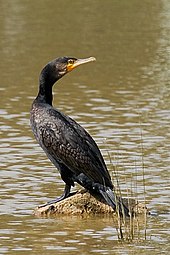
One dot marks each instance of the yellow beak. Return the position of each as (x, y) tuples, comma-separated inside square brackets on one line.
[(79, 62)]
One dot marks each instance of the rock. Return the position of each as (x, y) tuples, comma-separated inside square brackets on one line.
[(83, 203)]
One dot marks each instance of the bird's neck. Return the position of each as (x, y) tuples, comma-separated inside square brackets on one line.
[(45, 89), (45, 94)]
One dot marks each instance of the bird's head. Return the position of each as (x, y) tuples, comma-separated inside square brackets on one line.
[(58, 67)]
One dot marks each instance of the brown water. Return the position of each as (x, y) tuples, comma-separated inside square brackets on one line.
[(123, 100)]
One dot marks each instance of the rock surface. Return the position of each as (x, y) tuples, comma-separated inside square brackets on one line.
[(83, 203)]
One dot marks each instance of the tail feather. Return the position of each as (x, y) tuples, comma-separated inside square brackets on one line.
[(113, 201)]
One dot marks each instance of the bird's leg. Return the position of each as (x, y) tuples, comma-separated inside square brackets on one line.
[(63, 196)]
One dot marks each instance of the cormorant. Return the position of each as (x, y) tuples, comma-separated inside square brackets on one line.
[(67, 144)]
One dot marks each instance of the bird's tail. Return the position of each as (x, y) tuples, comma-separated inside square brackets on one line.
[(114, 202)]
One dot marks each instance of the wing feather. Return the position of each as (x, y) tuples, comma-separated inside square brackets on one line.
[(70, 143)]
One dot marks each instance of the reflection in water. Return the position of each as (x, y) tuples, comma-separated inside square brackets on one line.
[(123, 102)]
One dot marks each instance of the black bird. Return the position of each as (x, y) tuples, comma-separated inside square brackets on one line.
[(67, 144)]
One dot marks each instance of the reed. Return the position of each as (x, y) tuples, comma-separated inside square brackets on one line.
[(129, 229)]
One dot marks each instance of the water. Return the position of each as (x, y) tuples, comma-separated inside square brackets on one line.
[(123, 100)]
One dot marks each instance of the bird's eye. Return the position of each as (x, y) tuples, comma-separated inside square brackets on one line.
[(70, 61)]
